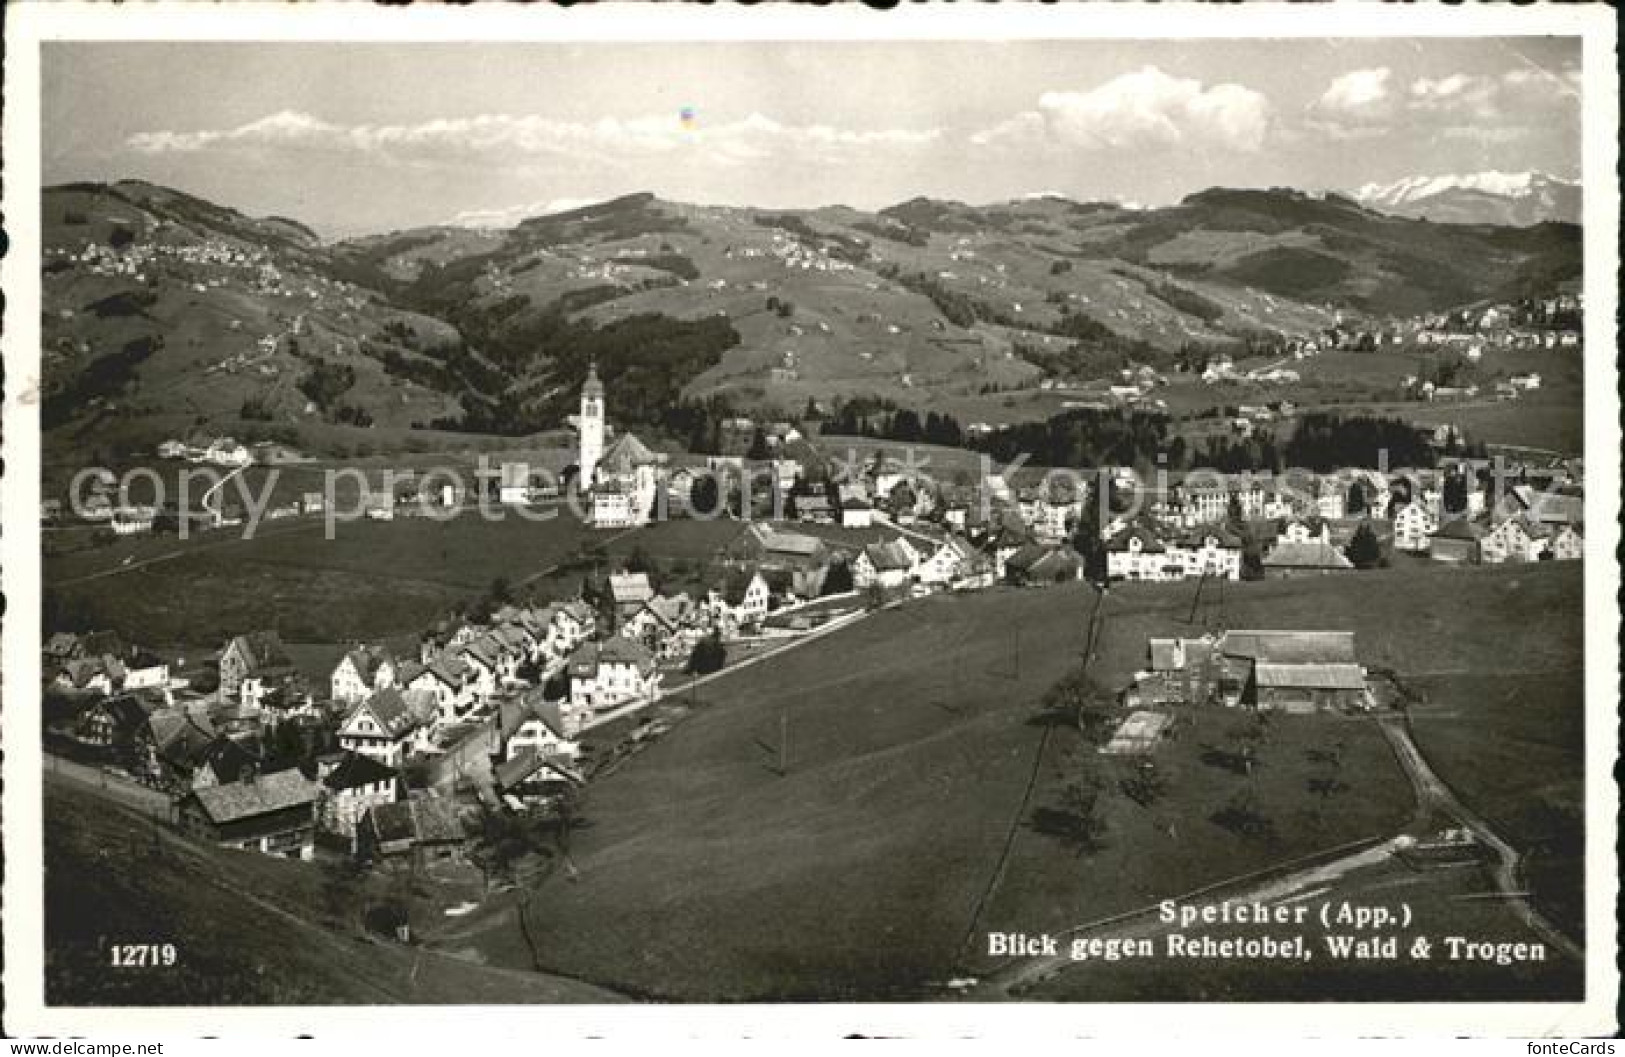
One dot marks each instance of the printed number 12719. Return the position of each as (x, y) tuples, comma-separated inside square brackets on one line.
[(143, 955)]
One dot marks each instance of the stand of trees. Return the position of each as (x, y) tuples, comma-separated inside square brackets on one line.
[(1082, 437), (1324, 442)]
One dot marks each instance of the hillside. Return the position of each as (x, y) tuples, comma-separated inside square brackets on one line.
[(163, 307), (248, 929), (805, 799), (160, 305)]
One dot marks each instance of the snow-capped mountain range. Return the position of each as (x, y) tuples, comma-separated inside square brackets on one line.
[(1478, 198)]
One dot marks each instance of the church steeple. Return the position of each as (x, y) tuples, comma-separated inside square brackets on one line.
[(591, 427)]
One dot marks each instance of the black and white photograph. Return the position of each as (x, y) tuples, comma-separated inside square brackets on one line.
[(804, 510)]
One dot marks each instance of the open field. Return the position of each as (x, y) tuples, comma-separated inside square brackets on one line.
[(707, 873), (248, 929), (1172, 845), (372, 579), (910, 744)]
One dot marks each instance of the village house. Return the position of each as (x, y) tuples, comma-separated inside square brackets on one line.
[(115, 724), (813, 508), (742, 600), (533, 723), (223, 760), (1040, 564), (1508, 541), (174, 740), (949, 562), (1204, 503), (1000, 540), (145, 670), (258, 655), (352, 784), (805, 559), (492, 663), (609, 674), (98, 675), (1550, 508), (1298, 671), (1287, 560), (425, 828), (569, 626), (629, 591), (1212, 551), (390, 725), (1049, 516), (274, 814), (448, 680), (1302, 530), (361, 671), (1331, 503), (61, 646), (1137, 552), (669, 626), (1413, 525), (1566, 544), (856, 509), (885, 565), (1456, 542), (530, 778)]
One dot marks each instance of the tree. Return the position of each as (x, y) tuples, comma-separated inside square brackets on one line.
[(758, 447), (1145, 786), (1355, 504), (1363, 550), (1247, 737), (1455, 494), (838, 580), (702, 497), (1243, 817), (709, 655), (1252, 561), (1077, 820)]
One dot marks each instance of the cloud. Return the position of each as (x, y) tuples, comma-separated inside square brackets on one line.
[(1358, 94), (1525, 94), (746, 140), (1143, 109)]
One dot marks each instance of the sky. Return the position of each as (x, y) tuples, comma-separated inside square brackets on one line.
[(353, 138)]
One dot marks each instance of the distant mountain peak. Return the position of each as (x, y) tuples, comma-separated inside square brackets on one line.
[(1489, 197)]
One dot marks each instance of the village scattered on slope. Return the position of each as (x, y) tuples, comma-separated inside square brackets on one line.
[(490, 711)]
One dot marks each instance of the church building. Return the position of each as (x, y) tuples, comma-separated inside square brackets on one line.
[(621, 483)]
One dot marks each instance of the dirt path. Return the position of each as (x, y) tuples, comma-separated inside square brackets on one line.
[(1432, 791)]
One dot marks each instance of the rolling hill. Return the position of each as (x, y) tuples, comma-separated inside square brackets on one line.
[(163, 308)]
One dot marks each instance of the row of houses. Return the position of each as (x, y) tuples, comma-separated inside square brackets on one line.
[(1523, 525)]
